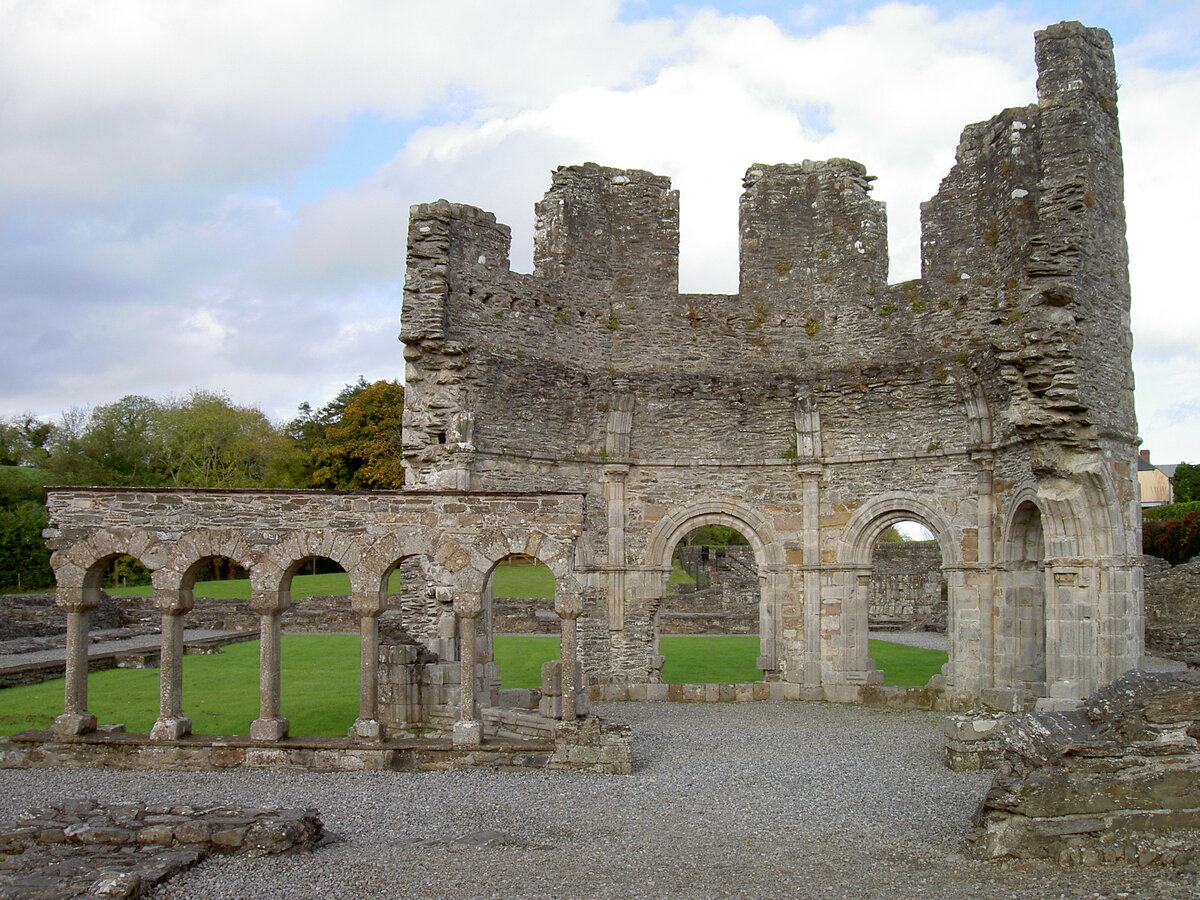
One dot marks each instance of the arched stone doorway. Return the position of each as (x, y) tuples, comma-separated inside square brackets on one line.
[(1021, 638), (845, 658), (769, 558)]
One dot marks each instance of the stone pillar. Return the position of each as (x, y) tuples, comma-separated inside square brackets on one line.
[(810, 673), (985, 523), (270, 725), (614, 496), (171, 724), (367, 726), (569, 656), (468, 730), (75, 718)]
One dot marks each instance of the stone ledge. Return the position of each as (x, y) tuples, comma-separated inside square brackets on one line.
[(83, 848), (35, 749)]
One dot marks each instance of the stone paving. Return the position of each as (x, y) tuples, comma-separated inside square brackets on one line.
[(81, 848)]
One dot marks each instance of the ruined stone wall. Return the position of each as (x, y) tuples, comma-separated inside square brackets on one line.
[(818, 404), (907, 581), (1173, 609)]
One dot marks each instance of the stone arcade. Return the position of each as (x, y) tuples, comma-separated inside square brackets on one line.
[(589, 415)]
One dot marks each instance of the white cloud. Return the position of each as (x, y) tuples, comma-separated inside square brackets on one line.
[(139, 140)]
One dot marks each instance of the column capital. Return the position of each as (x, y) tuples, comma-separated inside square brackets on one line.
[(173, 603), (269, 603)]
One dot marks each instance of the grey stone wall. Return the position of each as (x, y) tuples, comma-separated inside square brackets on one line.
[(907, 581), (1173, 609), (991, 399)]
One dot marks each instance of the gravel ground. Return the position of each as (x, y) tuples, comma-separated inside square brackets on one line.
[(748, 800), (929, 640)]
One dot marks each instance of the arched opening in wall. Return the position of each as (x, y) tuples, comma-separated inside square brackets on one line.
[(319, 649), (520, 629), (416, 630), (128, 692), (907, 604), (220, 664), (1025, 620), (707, 625)]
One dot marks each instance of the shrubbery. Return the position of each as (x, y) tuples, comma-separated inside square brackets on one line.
[(1172, 532)]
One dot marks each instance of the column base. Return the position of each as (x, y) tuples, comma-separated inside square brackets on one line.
[(275, 729), (467, 734), (171, 728), (367, 730), (74, 723)]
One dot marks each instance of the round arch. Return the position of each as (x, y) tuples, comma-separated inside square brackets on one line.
[(752, 524), (871, 518)]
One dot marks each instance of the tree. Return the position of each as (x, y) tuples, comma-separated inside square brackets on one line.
[(113, 444), (354, 440), (1187, 482), (23, 441), (891, 535), (203, 440), (207, 441)]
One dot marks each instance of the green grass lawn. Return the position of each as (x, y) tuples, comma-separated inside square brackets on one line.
[(705, 659), (911, 666), (510, 581), (319, 679)]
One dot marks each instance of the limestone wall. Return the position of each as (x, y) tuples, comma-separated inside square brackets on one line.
[(819, 404)]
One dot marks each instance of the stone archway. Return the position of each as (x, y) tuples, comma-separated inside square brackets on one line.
[(769, 557), (1021, 637), (844, 652)]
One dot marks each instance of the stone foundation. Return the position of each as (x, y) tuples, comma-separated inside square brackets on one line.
[(84, 848), (588, 745), (1102, 782)]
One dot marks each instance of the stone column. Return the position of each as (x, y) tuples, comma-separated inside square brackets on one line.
[(569, 656), (614, 496), (171, 724), (468, 730), (367, 726), (985, 523), (810, 671), (270, 725), (75, 718)]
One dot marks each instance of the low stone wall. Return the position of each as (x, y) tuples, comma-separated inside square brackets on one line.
[(1173, 609), (37, 615), (587, 744), (84, 848), (1113, 780), (880, 695)]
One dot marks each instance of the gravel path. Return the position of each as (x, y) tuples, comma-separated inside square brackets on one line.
[(748, 800), (929, 640)]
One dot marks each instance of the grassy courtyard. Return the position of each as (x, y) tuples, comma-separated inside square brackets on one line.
[(319, 677)]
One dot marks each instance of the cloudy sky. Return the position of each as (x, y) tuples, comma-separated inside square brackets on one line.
[(214, 195)]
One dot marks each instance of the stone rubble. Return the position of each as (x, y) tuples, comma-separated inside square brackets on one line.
[(79, 848), (1118, 778)]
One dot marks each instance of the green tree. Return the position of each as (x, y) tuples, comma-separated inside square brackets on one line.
[(24, 558), (1187, 482), (353, 442), (114, 444), (207, 441)]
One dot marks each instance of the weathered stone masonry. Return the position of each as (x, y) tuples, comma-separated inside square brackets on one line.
[(589, 415), (990, 399)]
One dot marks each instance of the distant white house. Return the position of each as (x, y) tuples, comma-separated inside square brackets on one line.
[(1156, 484)]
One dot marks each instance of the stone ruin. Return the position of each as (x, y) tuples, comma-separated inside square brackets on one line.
[(990, 400), (589, 415), (1095, 784)]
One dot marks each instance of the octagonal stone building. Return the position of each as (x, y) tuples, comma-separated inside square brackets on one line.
[(991, 399)]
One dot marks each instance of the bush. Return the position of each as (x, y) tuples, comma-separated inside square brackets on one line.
[(1176, 540)]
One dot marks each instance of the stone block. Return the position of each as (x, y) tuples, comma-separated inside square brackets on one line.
[(268, 730)]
